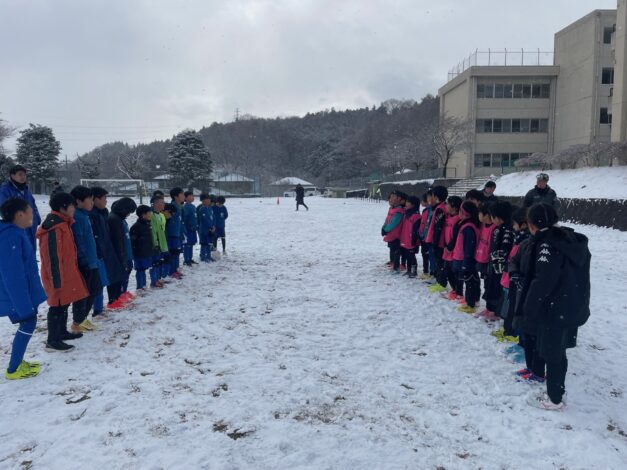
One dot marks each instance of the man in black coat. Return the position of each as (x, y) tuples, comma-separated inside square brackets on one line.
[(488, 192), (541, 193), (300, 196)]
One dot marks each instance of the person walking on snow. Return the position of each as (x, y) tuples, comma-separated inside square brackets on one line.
[(300, 196)]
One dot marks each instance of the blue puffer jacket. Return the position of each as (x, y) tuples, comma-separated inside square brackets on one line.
[(8, 191), (174, 225), (84, 239), (20, 286), (221, 214), (189, 218), (206, 223), (104, 245)]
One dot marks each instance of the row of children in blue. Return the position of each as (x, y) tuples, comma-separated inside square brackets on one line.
[(464, 241), (85, 248)]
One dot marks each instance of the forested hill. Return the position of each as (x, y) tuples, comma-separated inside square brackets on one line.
[(323, 146)]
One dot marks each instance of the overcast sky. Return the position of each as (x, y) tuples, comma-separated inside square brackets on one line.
[(131, 70)]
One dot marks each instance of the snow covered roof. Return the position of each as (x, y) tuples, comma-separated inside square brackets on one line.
[(233, 177), (291, 180)]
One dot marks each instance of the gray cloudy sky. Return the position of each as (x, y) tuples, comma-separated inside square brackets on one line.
[(138, 70)]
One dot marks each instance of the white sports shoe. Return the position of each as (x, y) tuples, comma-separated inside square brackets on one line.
[(543, 402)]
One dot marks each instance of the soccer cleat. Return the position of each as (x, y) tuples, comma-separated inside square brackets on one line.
[(424, 277), (522, 372), (176, 275), (437, 289), (467, 309), (403, 267), (32, 365), (89, 326), (118, 304), (451, 295), (531, 378), (100, 317), (23, 371), (461, 301), (69, 336), (127, 297), (543, 402)]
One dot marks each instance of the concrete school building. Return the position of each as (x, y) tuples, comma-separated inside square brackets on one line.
[(579, 98)]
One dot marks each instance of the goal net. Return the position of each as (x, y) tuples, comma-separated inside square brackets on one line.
[(119, 187)]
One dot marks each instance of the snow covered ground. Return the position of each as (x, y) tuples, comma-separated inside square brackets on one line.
[(299, 350), (604, 182)]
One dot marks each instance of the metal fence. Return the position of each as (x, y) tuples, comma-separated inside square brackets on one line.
[(500, 57)]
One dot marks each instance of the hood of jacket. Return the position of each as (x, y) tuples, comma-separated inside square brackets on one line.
[(571, 244), (53, 219)]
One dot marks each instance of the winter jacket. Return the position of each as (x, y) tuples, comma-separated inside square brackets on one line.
[(206, 224), (466, 246), (100, 226), (10, 190), (500, 246), (300, 194), (519, 237), (221, 214), (436, 227), (393, 224), (537, 195), (159, 241), (174, 225), (410, 229), (60, 275), (84, 239), (482, 255), (451, 230), (141, 239), (553, 271), (425, 220), (20, 286), (118, 228), (190, 220)]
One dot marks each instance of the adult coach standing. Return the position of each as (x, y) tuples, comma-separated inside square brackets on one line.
[(541, 193), (16, 187), (300, 196)]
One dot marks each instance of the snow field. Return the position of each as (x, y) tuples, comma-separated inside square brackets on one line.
[(300, 350)]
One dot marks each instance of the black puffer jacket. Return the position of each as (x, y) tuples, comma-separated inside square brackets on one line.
[(141, 239), (552, 272), (120, 210), (537, 195)]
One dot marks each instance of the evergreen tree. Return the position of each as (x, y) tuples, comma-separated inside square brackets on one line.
[(37, 150), (189, 160), (5, 165)]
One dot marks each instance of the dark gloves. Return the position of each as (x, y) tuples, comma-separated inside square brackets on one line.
[(383, 232)]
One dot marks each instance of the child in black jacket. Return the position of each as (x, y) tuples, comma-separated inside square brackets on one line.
[(141, 242)]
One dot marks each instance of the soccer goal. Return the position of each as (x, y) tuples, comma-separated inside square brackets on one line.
[(119, 187)]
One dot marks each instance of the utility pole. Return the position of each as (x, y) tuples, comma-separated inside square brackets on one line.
[(236, 114)]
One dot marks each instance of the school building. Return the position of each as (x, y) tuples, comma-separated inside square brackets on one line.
[(522, 102)]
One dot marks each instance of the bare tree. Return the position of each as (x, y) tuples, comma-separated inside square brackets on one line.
[(87, 168), (536, 159), (451, 135), (6, 131), (132, 164)]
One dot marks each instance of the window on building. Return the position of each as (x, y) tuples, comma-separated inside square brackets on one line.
[(507, 125), (482, 160), (536, 91), (480, 91), (515, 125), (544, 125), (496, 159), (489, 90), (606, 117), (526, 91), (508, 90), (524, 125), (487, 125), (498, 90), (546, 90), (518, 91), (512, 158), (607, 34), (534, 125), (607, 75), (497, 125)]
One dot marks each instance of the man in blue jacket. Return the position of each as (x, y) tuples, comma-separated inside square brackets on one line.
[(190, 223), (174, 231), (20, 286), (87, 260), (16, 187)]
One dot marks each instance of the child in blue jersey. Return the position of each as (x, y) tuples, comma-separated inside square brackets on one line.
[(190, 224), (221, 214), (174, 230), (206, 227)]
